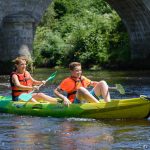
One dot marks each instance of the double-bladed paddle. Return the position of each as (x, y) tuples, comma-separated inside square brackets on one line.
[(27, 96)]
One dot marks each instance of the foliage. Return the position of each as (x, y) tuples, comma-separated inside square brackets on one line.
[(86, 31), (48, 47)]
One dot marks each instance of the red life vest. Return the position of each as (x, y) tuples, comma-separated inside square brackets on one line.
[(71, 85), (24, 79)]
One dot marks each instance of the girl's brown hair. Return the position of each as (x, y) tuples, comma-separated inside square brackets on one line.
[(18, 59)]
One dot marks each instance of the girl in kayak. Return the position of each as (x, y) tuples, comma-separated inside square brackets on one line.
[(75, 87), (22, 82)]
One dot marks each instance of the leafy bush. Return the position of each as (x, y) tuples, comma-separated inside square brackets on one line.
[(86, 31), (48, 48)]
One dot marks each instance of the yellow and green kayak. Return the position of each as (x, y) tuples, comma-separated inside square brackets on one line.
[(134, 108)]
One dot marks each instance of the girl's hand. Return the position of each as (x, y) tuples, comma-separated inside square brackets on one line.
[(43, 82), (36, 88)]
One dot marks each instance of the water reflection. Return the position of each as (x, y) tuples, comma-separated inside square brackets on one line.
[(132, 134), (92, 135), (46, 133), (22, 132)]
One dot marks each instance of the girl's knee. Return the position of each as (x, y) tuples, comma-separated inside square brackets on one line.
[(33, 100), (38, 95), (41, 94)]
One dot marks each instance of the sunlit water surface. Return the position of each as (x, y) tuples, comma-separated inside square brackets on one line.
[(27, 132)]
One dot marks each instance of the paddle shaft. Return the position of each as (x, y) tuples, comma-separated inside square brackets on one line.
[(49, 78), (40, 85), (112, 88)]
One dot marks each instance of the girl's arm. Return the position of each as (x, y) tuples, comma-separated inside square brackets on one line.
[(36, 82), (18, 85)]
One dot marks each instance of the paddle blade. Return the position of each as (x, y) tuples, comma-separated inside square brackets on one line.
[(120, 88), (25, 97), (52, 76)]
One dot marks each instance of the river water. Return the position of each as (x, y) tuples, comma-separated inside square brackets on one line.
[(27, 132)]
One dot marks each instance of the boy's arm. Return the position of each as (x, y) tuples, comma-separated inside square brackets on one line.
[(93, 83), (58, 92)]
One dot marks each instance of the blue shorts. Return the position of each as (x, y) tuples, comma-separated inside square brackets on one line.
[(15, 98), (93, 93), (76, 101)]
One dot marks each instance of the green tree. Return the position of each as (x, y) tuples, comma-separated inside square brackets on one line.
[(86, 31)]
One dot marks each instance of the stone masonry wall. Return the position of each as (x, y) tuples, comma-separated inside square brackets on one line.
[(18, 21)]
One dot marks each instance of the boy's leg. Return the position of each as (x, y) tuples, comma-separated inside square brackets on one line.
[(84, 94), (101, 89)]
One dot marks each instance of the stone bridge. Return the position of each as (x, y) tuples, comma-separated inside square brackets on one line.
[(19, 18)]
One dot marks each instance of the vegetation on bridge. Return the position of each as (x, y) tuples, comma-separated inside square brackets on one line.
[(87, 31)]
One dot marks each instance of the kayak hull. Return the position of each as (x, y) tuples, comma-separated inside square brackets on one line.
[(134, 108)]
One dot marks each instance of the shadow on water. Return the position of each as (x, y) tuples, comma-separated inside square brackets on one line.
[(24, 132)]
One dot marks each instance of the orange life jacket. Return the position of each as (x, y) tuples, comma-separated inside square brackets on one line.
[(24, 79), (73, 84)]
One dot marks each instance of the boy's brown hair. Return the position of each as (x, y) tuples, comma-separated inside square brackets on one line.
[(72, 65)]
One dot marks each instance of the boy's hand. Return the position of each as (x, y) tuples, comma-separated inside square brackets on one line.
[(66, 101)]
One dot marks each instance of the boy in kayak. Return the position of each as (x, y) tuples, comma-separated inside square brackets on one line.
[(75, 87), (22, 82)]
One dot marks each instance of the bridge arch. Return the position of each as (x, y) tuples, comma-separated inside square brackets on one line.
[(15, 15), (135, 15)]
